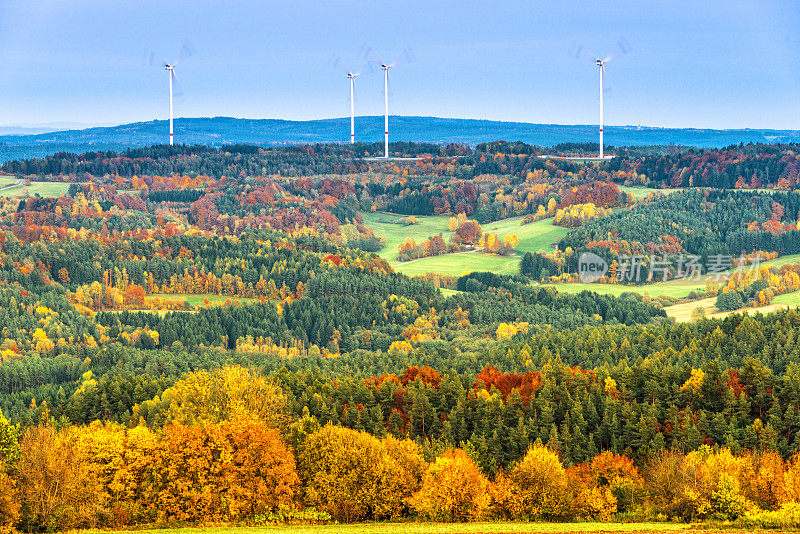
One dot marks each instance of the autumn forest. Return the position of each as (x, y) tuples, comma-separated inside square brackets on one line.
[(305, 334)]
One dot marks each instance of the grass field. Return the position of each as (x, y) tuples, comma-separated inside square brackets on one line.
[(538, 236), (535, 237), (640, 192), (683, 312), (682, 288), (673, 288), (43, 189), (458, 264), (434, 528), (197, 300), (388, 224)]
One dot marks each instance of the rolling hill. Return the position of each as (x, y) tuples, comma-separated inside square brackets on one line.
[(218, 131)]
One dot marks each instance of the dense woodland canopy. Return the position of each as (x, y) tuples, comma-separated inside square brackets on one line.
[(182, 300)]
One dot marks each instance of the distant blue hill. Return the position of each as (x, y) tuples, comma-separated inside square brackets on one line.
[(218, 131)]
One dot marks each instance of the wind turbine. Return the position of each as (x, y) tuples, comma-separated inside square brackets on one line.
[(186, 51), (406, 57), (386, 68), (621, 49), (352, 77)]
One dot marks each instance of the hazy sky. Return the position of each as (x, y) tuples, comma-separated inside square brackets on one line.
[(694, 63)]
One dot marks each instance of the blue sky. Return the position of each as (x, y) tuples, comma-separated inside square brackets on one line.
[(706, 64)]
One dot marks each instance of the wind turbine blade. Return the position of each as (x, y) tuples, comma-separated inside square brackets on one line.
[(177, 89), (366, 53), (621, 49), (187, 51), (152, 59), (578, 51), (406, 56), (336, 63)]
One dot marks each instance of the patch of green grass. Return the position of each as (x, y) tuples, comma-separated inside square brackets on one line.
[(458, 264), (7, 180), (43, 189), (535, 237), (788, 299), (677, 288), (433, 528), (782, 260), (673, 288), (640, 192), (449, 292), (198, 300), (388, 224)]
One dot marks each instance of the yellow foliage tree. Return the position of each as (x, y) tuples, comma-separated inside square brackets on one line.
[(229, 471), (227, 394), (355, 476), (453, 489), (540, 482)]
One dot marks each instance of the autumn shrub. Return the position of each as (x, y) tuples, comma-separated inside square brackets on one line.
[(57, 489), (762, 479), (665, 481), (9, 490), (588, 500), (791, 479), (341, 471), (9, 503), (540, 482), (101, 449), (353, 476), (227, 471), (403, 469), (453, 489), (713, 488), (785, 517), (617, 474)]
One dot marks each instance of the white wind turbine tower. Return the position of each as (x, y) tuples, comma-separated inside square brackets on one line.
[(386, 108), (352, 77), (621, 49), (186, 51), (406, 57)]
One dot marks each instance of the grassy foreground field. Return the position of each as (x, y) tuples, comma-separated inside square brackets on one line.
[(435, 528)]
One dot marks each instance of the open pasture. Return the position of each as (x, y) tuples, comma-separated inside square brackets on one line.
[(461, 263), (389, 225), (43, 189)]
